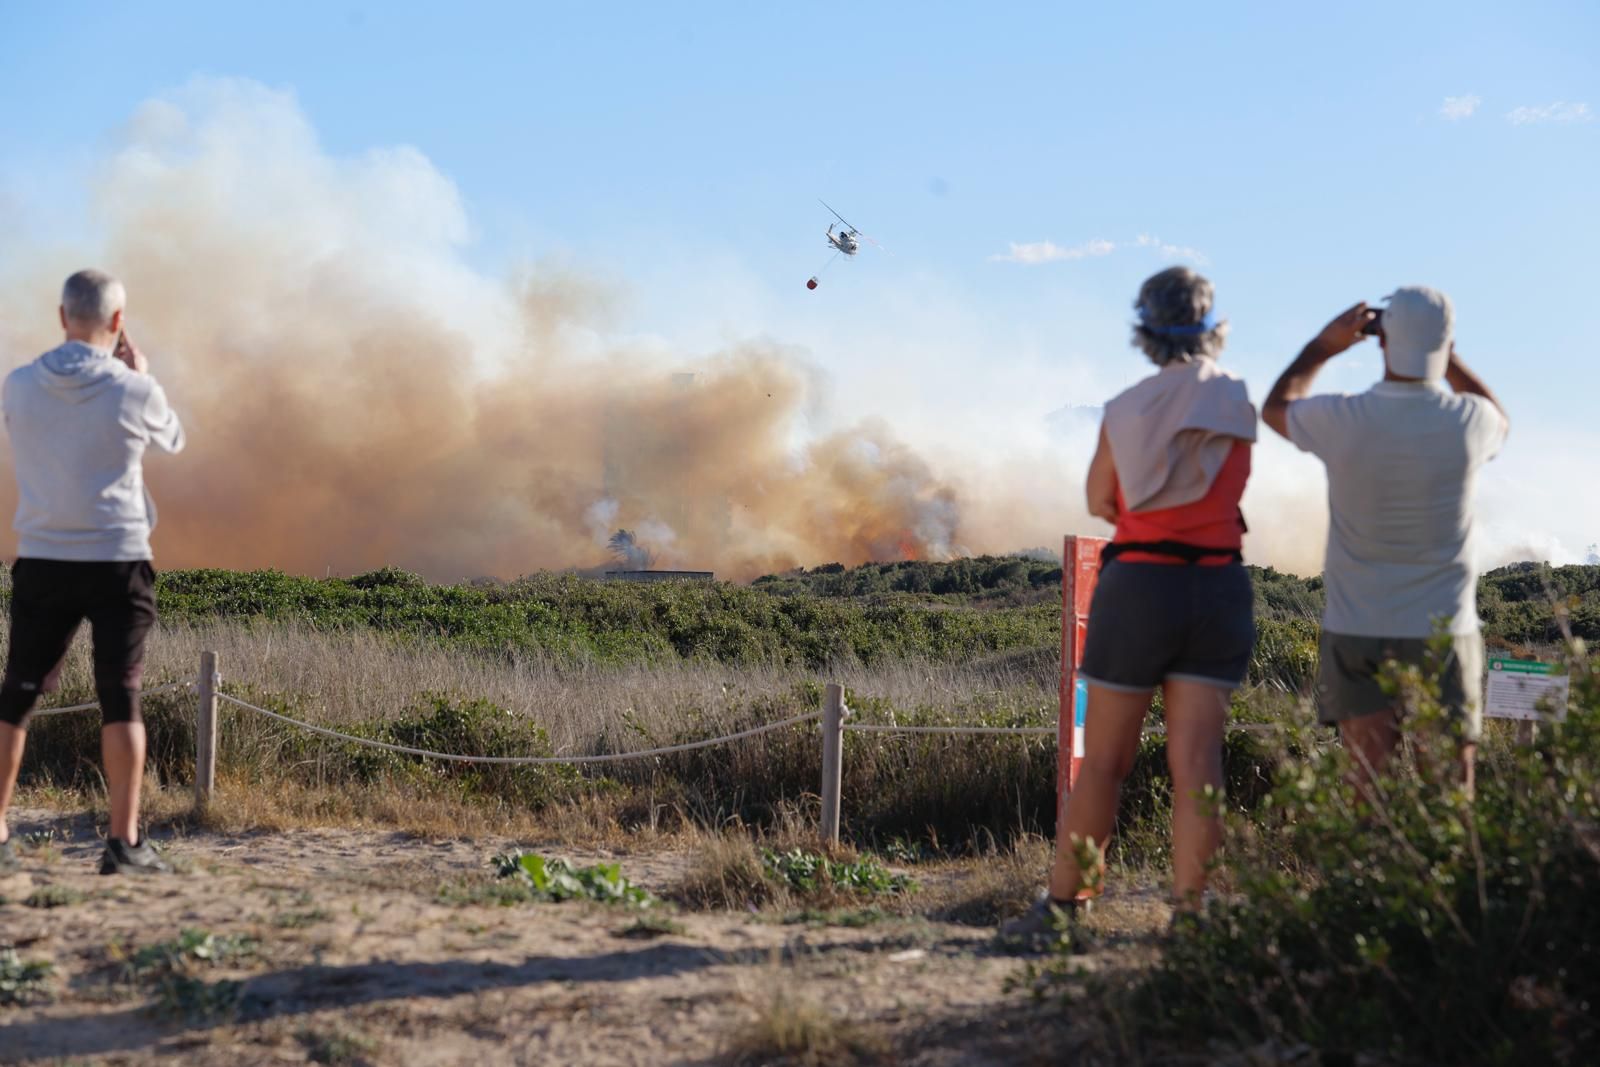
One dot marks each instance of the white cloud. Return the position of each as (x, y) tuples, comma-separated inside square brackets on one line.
[(1560, 111), (1033, 253), (1036, 252), (1171, 251), (1456, 108)]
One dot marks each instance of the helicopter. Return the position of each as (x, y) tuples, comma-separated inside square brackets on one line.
[(845, 240)]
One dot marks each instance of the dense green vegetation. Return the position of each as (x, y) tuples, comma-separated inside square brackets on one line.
[(1031, 578), (869, 614), (1516, 603), (564, 615)]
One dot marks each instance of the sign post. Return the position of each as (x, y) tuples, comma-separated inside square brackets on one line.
[(1080, 567)]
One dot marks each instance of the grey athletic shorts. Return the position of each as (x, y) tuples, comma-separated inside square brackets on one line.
[(1150, 622), (1347, 678)]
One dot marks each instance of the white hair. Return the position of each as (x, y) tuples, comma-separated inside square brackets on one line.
[(91, 297)]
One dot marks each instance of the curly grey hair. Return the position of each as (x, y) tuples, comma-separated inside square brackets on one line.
[(1176, 297)]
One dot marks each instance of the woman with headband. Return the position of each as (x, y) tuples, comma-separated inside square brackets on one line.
[(1173, 608)]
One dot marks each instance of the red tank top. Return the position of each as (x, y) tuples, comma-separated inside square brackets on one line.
[(1213, 521)]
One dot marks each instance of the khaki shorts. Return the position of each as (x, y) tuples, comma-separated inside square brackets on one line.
[(1347, 679)]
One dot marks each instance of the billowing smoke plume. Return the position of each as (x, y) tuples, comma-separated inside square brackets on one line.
[(356, 395)]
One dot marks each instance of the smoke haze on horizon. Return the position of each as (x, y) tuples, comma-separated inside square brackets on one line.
[(357, 395)]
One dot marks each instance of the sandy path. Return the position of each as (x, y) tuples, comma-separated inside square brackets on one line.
[(359, 960)]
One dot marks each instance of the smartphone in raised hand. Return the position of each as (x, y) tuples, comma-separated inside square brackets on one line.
[(1374, 324), (129, 355)]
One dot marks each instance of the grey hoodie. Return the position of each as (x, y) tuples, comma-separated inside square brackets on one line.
[(80, 422)]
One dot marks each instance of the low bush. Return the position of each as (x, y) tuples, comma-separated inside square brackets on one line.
[(173, 972), (191, 947), (808, 873), (23, 981), (556, 880), (441, 723), (54, 896), (1424, 927)]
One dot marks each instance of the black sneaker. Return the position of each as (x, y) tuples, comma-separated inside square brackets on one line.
[(1186, 922), (1043, 927), (123, 858), (8, 857)]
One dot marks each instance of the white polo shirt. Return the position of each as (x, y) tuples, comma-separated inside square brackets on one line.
[(1402, 461)]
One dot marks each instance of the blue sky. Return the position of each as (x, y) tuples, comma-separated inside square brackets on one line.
[(1304, 156)]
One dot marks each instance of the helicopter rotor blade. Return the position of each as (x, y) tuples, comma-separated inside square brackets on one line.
[(836, 215)]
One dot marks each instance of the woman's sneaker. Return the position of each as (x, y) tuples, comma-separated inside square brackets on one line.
[(1043, 927), (8, 857), (123, 858)]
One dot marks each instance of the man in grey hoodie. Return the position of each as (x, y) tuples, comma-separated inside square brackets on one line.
[(80, 418)]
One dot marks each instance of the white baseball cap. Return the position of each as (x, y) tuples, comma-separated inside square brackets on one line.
[(1418, 326)]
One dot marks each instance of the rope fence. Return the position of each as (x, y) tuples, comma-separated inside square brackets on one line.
[(93, 704), (832, 715), (525, 761)]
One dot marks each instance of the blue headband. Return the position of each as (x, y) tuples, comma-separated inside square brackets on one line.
[(1205, 325)]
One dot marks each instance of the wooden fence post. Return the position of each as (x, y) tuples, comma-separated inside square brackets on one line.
[(205, 731), (832, 760)]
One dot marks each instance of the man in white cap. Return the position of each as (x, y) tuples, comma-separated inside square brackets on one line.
[(1402, 459)]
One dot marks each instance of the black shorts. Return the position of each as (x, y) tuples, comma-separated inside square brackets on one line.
[(49, 600), (1151, 622)]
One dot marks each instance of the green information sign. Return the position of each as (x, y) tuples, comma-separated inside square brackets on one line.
[(1525, 689)]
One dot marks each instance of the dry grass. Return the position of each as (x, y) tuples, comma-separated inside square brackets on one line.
[(787, 1026), (361, 675), (986, 890), (726, 872), (241, 805), (273, 777)]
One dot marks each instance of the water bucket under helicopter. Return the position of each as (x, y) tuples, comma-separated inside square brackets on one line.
[(811, 283)]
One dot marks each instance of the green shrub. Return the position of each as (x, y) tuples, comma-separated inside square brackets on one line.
[(23, 981), (1427, 927), (809, 872), (557, 880), (173, 972), (65, 749), (191, 948), (1143, 833), (441, 723), (54, 896)]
